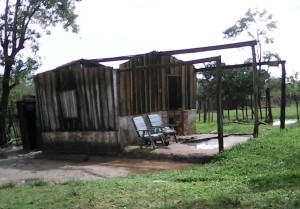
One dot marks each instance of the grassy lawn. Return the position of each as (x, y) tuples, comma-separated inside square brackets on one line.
[(262, 173)]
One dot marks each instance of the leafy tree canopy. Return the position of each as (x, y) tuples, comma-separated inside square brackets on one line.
[(257, 24), (22, 23)]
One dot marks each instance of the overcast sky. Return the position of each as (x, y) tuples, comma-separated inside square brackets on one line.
[(111, 28)]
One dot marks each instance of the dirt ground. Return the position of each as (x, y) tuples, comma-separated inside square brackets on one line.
[(22, 166)]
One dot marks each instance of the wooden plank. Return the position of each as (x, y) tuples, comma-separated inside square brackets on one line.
[(55, 100), (98, 100), (115, 83), (155, 92), (146, 85), (104, 100), (94, 101), (42, 102), (110, 97), (183, 51), (141, 87), (163, 84), (151, 101), (183, 87), (134, 89), (193, 86), (187, 88), (88, 104), (122, 93), (129, 94), (49, 102), (80, 80)]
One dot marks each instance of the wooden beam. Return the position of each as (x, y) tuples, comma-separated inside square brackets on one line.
[(212, 48), (226, 67), (182, 51), (175, 64)]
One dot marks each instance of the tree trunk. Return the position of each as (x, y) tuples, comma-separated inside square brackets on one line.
[(212, 111), (247, 118), (208, 110), (4, 103), (259, 104), (297, 108), (199, 110), (268, 99), (228, 114), (204, 112), (243, 114), (236, 113), (252, 111)]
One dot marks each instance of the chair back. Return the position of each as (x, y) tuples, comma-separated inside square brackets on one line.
[(155, 120), (139, 124)]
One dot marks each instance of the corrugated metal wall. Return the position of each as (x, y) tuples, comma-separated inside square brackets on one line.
[(77, 98), (145, 90)]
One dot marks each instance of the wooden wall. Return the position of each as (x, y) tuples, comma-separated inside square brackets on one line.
[(145, 90), (77, 97)]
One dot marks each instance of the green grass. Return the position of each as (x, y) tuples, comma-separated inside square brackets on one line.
[(262, 173), (239, 127), (290, 113)]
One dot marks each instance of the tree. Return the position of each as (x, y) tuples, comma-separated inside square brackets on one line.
[(256, 24), (22, 23), (294, 90), (206, 91)]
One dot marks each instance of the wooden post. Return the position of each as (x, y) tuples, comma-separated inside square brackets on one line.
[(283, 88), (269, 105), (219, 105), (255, 93)]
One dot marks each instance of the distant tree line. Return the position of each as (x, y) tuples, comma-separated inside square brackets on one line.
[(237, 92)]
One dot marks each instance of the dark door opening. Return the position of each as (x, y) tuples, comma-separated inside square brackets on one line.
[(174, 89)]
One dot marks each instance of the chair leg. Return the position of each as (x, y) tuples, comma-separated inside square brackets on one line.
[(143, 141), (152, 142), (163, 140), (175, 138)]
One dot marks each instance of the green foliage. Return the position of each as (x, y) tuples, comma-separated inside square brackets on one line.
[(22, 24), (256, 24), (8, 185), (236, 86), (25, 87), (38, 182)]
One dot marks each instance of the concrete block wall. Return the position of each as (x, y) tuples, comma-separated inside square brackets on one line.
[(81, 142)]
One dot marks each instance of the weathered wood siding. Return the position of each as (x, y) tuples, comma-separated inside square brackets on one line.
[(77, 97), (145, 90)]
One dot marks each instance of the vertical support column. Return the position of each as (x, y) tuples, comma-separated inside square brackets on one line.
[(219, 105), (269, 105), (283, 103), (255, 93)]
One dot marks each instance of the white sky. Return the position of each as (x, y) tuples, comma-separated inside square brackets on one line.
[(110, 28)]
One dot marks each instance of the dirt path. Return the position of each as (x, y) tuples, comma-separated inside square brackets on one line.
[(20, 166)]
